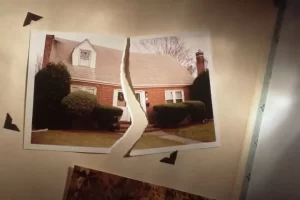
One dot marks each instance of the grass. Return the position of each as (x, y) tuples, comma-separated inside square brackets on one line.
[(201, 132), (78, 138), (94, 139)]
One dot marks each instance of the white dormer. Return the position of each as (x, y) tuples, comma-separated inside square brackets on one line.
[(84, 54)]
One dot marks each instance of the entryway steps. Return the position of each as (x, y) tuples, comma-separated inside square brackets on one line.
[(125, 125)]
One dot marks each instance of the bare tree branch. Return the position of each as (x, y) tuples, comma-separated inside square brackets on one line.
[(171, 46)]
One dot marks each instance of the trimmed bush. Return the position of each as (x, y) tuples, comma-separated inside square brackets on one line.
[(51, 85), (107, 116), (79, 104), (170, 114), (78, 107), (196, 110)]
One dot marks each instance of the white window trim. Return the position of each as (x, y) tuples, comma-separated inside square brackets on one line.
[(142, 96), (84, 88), (90, 58), (173, 95)]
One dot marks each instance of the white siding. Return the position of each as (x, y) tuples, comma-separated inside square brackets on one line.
[(84, 46)]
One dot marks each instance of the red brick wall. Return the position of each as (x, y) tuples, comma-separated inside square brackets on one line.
[(47, 51), (155, 95), (105, 93)]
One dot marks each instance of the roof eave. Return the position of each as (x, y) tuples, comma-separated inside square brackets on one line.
[(134, 85)]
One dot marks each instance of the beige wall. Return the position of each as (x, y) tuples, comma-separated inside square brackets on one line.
[(241, 34)]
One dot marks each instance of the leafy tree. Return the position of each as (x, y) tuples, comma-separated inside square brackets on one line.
[(51, 85), (200, 91)]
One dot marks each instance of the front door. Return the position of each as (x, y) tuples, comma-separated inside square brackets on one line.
[(140, 96), (119, 101)]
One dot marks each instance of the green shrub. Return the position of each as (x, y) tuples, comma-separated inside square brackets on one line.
[(196, 110), (51, 85), (79, 104), (170, 114), (107, 116)]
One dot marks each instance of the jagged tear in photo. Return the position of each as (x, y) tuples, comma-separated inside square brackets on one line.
[(75, 101)]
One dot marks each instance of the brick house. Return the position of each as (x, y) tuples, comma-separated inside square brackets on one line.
[(156, 78)]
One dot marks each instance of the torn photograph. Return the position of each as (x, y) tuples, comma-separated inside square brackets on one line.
[(72, 88), (88, 184), (74, 100), (172, 80)]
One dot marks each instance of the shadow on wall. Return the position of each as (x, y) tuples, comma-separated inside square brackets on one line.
[(275, 173)]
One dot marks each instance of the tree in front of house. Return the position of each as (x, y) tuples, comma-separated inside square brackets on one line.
[(51, 85), (201, 91)]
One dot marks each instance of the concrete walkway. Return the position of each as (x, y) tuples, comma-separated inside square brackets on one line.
[(180, 139), (164, 135), (158, 133)]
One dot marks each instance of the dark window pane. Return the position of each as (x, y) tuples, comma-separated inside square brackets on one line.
[(85, 55), (169, 101), (178, 100), (137, 95)]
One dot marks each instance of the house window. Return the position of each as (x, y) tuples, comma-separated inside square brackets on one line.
[(138, 97), (121, 101), (85, 58), (92, 90), (174, 96), (85, 55)]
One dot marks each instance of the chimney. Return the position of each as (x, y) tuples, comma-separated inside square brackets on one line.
[(200, 62), (47, 51)]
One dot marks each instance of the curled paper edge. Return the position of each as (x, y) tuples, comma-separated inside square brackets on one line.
[(138, 116)]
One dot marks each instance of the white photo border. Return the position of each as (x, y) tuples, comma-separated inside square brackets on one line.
[(29, 105)]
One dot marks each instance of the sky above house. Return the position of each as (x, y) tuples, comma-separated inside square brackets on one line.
[(193, 41)]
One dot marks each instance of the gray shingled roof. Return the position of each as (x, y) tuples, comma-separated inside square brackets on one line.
[(145, 69)]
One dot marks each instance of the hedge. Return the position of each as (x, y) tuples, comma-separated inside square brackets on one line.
[(107, 116), (170, 114), (196, 110), (79, 104)]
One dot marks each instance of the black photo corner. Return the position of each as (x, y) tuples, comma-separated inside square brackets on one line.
[(171, 159), (31, 17), (8, 124)]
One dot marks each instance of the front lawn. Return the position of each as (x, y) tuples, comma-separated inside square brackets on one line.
[(94, 139), (201, 132)]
